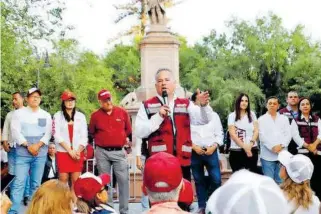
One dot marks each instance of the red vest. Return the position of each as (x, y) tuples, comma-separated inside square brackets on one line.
[(309, 130), (164, 139), (285, 111)]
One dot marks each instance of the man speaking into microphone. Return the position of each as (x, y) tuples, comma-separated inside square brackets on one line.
[(164, 120)]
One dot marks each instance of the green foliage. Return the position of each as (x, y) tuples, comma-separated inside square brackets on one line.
[(65, 68), (260, 58), (124, 61)]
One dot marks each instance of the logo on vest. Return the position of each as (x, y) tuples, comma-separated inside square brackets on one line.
[(154, 105), (181, 105)]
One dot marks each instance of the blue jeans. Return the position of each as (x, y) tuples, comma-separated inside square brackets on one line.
[(11, 166), (11, 160), (23, 165), (272, 170), (204, 188)]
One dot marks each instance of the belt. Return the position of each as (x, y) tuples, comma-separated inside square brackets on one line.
[(305, 151), (240, 149), (111, 148)]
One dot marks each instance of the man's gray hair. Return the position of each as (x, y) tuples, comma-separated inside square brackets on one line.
[(156, 197), (164, 69)]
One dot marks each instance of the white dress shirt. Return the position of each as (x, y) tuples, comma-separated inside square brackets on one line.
[(273, 132), (296, 135), (4, 155), (52, 168), (144, 126), (208, 134), (6, 132), (244, 128), (61, 133)]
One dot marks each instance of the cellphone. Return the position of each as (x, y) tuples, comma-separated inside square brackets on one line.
[(6, 181)]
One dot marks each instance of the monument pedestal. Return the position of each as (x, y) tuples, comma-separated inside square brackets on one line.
[(159, 49)]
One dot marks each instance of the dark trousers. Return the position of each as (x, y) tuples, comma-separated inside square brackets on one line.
[(316, 176), (239, 160), (205, 186)]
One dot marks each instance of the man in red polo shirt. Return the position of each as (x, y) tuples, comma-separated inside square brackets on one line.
[(110, 127)]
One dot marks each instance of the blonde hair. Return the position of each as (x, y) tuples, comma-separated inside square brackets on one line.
[(52, 197), (301, 194), (82, 206)]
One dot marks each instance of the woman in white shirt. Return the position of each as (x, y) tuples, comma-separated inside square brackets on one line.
[(296, 172), (71, 137), (243, 130)]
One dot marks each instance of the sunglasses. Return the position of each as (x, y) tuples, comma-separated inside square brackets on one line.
[(103, 188)]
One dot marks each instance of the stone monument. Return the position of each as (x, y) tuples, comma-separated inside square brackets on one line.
[(159, 49)]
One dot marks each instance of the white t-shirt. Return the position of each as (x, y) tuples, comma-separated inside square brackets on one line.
[(243, 127), (52, 168), (313, 209)]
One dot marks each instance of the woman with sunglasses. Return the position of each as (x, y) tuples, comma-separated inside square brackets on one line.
[(71, 137), (306, 132), (92, 195), (243, 130)]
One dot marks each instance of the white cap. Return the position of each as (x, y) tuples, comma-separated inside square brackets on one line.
[(247, 193), (33, 90), (299, 167)]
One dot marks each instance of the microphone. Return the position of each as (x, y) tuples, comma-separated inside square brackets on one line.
[(165, 97)]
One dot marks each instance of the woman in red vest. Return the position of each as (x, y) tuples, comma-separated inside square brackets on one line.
[(306, 132)]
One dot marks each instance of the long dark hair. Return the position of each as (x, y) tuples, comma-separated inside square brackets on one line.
[(66, 115), (300, 112), (237, 107)]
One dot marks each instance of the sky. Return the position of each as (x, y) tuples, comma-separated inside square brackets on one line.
[(94, 19)]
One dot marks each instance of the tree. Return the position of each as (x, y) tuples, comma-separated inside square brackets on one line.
[(17, 63), (261, 58), (124, 63), (81, 72)]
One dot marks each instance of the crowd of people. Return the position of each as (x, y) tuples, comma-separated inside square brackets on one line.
[(177, 139)]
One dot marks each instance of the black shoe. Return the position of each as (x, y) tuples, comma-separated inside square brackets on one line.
[(25, 201)]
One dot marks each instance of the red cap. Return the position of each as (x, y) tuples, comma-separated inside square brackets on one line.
[(88, 185), (186, 194), (104, 94), (162, 173), (67, 95)]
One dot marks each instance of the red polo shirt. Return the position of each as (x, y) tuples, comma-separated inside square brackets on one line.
[(110, 130)]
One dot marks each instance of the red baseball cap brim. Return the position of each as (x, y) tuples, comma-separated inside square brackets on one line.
[(104, 94), (105, 178), (88, 185), (67, 95), (186, 194)]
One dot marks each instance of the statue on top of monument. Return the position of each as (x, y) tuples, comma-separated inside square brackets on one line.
[(156, 12)]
